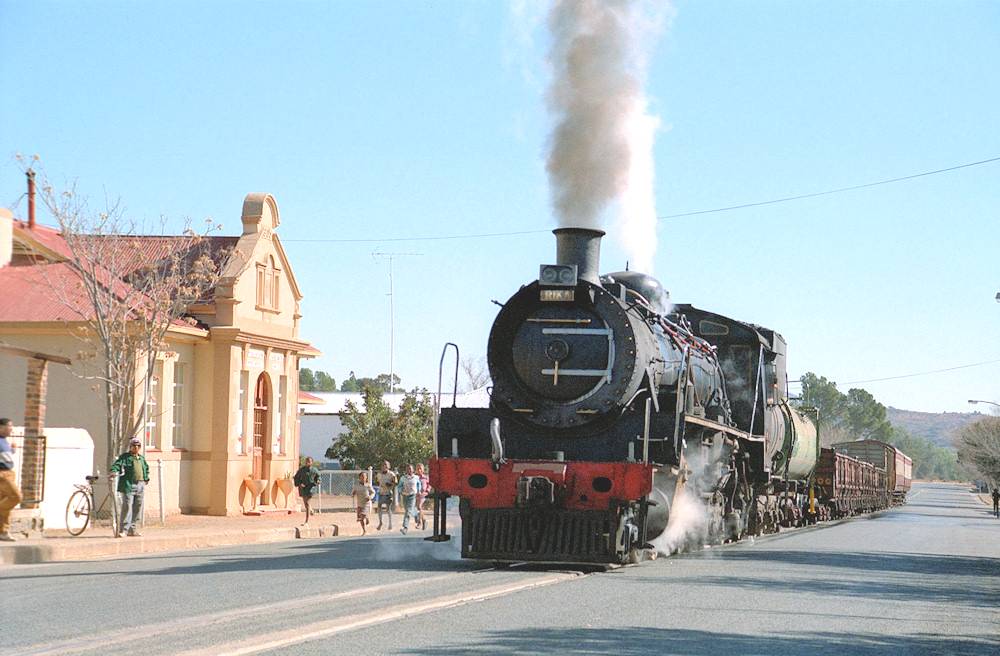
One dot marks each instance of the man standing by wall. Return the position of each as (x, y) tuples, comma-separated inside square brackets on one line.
[(133, 474), (10, 496)]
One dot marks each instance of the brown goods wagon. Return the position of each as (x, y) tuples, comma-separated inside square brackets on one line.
[(897, 465), (838, 482)]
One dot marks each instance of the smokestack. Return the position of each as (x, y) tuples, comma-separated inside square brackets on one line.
[(31, 198), (582, 247)]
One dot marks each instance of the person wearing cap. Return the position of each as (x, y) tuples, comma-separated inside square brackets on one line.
[(133, 474)]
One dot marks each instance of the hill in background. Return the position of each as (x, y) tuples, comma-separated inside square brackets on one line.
[(938, 427)]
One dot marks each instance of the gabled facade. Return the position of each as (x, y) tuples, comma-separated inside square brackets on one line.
[(222, 414)]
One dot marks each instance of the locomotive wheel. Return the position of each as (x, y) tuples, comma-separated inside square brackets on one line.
[(639, 555)]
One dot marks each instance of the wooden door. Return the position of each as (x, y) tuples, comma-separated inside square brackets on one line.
[(261, 423)]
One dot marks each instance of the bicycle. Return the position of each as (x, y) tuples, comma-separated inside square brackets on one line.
[(80, 508)]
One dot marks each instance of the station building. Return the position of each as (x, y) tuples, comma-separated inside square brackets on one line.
[(221, 421)]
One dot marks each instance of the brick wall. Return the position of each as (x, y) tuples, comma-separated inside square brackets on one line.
[(33, 455)]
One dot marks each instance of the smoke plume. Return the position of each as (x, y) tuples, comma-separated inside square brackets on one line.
[(600, 160)]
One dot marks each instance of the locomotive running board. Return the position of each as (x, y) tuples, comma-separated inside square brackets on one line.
[(722, 428)]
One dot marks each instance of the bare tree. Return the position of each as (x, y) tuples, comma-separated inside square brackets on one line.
[(127, 290), (474, 373), (979, 448)]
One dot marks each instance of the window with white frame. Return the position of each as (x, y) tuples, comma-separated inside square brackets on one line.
[(178, 416), (153, 408), (239, 412), (261, 285), (275, 283), (282, 391)]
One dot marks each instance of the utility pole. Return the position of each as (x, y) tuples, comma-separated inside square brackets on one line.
[(392, 318)]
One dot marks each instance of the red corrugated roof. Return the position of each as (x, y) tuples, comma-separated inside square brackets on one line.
[(306, 397), (47, 291), (47, 237), (145, 251), (42, 292)]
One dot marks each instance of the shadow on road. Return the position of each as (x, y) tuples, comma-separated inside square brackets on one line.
[(907, 563), (642, 640), (966, 580), (383, 553)]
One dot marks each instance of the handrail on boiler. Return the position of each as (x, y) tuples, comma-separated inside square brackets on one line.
[(454, 392)]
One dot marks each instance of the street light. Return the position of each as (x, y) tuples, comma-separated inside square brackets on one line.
[(975, 401)]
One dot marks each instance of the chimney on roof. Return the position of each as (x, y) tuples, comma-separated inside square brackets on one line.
[(31, 198)]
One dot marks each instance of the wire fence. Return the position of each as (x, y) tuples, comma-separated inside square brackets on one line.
[(335, 488)]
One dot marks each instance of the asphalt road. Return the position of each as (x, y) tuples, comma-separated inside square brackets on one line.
[(920, 579)]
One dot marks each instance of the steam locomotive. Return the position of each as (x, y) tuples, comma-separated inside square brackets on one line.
[(608, 406)]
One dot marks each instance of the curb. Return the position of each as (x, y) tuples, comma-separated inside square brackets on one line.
[(22, 554)]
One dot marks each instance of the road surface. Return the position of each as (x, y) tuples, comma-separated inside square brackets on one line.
[(920, 579)]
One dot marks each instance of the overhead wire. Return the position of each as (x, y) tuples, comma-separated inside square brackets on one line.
[(715, 210), (914, 375)]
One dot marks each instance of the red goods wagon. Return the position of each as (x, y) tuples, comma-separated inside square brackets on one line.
[(846, 485), (897, 465)]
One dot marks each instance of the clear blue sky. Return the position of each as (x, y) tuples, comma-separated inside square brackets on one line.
[(388, 120)]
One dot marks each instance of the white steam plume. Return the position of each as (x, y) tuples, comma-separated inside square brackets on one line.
[(690, 522), (601, 154)]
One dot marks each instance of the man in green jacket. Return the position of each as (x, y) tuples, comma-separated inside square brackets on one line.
[(133, 474)]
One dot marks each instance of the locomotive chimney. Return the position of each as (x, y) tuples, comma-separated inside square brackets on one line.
[(582, 247), (31, 198)]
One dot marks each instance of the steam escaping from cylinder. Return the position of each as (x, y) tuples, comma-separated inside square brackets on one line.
[(690, 524), (600, 160)]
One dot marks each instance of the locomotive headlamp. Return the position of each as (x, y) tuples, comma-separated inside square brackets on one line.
[(557, 275), (561, 276)]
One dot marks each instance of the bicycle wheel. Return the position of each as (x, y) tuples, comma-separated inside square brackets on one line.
[(78, 512)]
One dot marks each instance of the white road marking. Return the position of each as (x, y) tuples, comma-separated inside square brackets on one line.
[(279, 639), (187, 625)]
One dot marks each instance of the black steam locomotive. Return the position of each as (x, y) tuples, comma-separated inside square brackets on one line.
[(607, 406)]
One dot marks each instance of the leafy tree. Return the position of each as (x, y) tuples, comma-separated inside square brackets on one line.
[(379, 383), (865, 417), (307, 381), (857, 415), (979, 448), (830, 435), (324, 382), (818, 392), (376, 433), (351, 384), (930, 461)]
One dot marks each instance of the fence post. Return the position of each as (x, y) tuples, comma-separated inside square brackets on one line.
[(159, 487), (113, 493)]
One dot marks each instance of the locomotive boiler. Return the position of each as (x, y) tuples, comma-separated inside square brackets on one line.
[(607, 405)]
